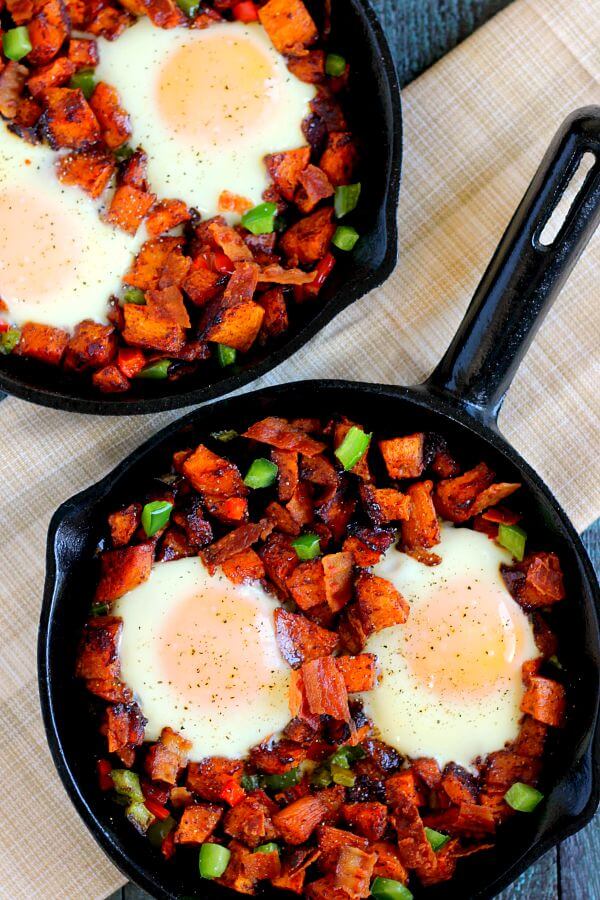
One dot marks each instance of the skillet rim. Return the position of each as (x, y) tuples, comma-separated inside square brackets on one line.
[(347, 293), (418, 395)]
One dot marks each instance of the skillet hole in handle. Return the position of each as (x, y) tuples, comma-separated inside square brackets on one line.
[(551, 231)]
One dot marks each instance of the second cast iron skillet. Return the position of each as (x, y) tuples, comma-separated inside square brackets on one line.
[(461, 400), (375, 119)]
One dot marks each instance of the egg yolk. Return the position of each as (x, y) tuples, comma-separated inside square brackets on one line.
[(213, 91), (37, 260), (463, 641), (215, 648)]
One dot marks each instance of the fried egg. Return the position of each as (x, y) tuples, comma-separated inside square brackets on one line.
[(59, 262), (200, 655), (206, 106), (451, 681)]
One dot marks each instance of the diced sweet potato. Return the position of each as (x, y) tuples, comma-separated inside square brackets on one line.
[(388, 863), (54, 74), (275, 321), (262, 866), (21, 11), (212, 777), (114, 121), (83, 53), (167, 758), (289, 25), (325, 688), (134, 171), (307, 584), (278, 757), (328, 109), (164, 13), (337, 574), (413, 847), (42, 342), (545, 700), (148, 264), (234, 542), (124, 523), (90, 170), (98, 652), (367, 819), (459, 785), (165, 215), (469, 819), (300, 640), (230, 511), (331, 840), (236, 876), (427, 770), (202, 285), (48, 30), (379, 603), (110, 380), (403, 456), (532, 736), (359, 672), (309, 68), (280, 559), (235, 326), (296, 822), (128, 208), (402, 787), (144, 327), (12, 82), (363, 555), (211, 474), (123, 569), (421, 529), (455, 497), (281, 434), (340, 158), (68, 120), (109, 22), (230, 242), (174, 544), (250, 822), (244, 566), (537, 581), (197, 823), (91, 346), (175, 269), (324, 889), (124, 728), (308, 240), (384, 505)]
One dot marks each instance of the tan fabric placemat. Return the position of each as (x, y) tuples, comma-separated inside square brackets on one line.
[(476, 127)]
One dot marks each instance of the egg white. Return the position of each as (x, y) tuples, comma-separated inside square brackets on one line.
[(234, 626), (59, 262), (415, 712), (204, 153)]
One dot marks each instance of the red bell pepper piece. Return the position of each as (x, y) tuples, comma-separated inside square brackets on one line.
[(245, 11), (168, 845), (232, 792), (157, 809), (131, 361), (104, 768)]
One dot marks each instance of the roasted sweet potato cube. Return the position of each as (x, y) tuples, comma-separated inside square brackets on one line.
[(21, 11), (124, 728), (230, 511), (421, 529), (197, 823), (109, 22), (114, 121), (164, 13), (90, 170), (545, 700), (325, 688), (340, 157), (307, 584), (68, 120), (278, 757), (363, 555), (330, 842), (402, 786), (12, 82), (413, 847), (455, 497), (403, 456), (91, 346), (110, 380), (150, 261), (202, 285), (211, 777), (359, 672), (250, 821), (262, 866), (279, 559), (244, 566), (123, 569), (42, 342), (388, 863), (300, 640), (234, 542), (367, 819), (296, 822), (47, 31), (308, 240), (384, 505), (145, 327), (128, 208), (285, 169), (165, 215), (309, 68), (235, 326), (542, 584), (211, 474), (78, 11), (427, 770), (337, 573), (325, 889), (275, 321), (83, 53), (167, 757), (175, 545), (134, 171), (54, 74), (379, 603), (289, 25), (283, 435), (98, 653), (124, 523)]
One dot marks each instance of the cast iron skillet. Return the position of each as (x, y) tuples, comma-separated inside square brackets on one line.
[(375, 118), (461, 399)]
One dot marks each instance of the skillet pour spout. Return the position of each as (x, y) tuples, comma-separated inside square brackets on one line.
[(460, 400)]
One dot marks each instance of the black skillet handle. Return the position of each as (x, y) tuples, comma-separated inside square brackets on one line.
[(524, 277)]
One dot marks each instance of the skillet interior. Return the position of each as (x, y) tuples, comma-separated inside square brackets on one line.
[(375, 111), (571, 774)]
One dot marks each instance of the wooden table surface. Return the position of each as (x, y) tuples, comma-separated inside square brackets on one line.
[(420, 32)]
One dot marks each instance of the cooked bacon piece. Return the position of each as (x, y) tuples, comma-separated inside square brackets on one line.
[(90, 347), (298, 702), (235, 326), (427, 770), (421, 529), (331, 840), (469, 819), (279, 757), (212, 475), (53, 75), (351, 629), (545, 700), (110, 380), (505, 767), (285, 168), (122, 570), (326, 106), (250, 821), (242, 284), (47, 31), (413, 847), (293, 871), (175, 269), (300, 506), (379, 603), (83, 53), (500, 514), (280, 559), (68, 120), (275, 321), (353, 871), (309, 68), (337, 511), (388, 863), (325, 688), (229, 202), (340, 158), (12, 81), (368, 819), (300, 640), (175, 545), (164, 13), (442, 868), (359, 672), (281, 434), (232, 511), (276, 274), (402, 787), (443, 464), (537, 581), (180, 797), (287, 472), (230, 242), (98, 654), (495, 493), (424, 556), (109, 22), (289, 25), (384, 505), (124, 729), (244, 566), (216, 779), (337, 574), (404, 456), (307, 584), (455, 497), (296, 822), (134, 172), (165, 215), (168, 757), (324, 889), (90, 170), (197, 823), (532, 736), (314, 186), (42, 342), (149, 263), (459, 785), (234, 542), (128, 208), (124, 523), (308, 240)]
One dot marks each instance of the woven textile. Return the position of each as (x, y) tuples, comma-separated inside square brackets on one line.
[(476, 126)]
